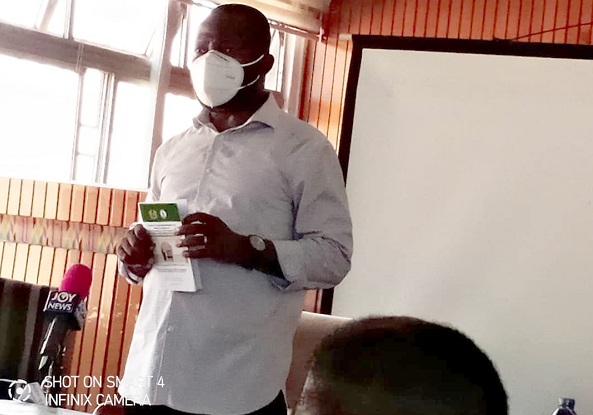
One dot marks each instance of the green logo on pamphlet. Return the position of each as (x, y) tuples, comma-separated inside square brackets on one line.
[(159, 212)]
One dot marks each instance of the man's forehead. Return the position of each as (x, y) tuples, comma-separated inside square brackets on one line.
[(226, 23), (221, 27)]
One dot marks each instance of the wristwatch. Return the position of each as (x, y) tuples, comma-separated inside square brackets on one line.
[(257, 243)]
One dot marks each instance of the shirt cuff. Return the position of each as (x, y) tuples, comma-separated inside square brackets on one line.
[(291, 259), (130, 277)]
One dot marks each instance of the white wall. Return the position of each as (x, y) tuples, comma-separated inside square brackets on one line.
[(471, 189)]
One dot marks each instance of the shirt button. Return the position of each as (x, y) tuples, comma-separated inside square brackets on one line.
[(208, 170), (170, 329)]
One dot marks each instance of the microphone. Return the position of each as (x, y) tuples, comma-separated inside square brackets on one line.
[(66, 308)]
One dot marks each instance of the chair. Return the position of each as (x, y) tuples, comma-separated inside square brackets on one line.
[(21, 328), (311, 329)]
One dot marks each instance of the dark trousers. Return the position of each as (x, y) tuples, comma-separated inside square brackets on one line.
[(276, 407)]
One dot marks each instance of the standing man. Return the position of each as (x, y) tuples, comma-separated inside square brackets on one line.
[(270, 220)]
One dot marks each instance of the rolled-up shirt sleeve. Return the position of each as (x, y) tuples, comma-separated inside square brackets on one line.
[(319, 254)]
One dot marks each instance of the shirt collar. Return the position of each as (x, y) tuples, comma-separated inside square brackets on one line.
[(267, 114)]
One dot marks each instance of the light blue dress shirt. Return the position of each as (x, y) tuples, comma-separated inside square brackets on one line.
[(227, 348)]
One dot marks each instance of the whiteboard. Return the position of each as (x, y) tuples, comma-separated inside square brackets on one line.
[(470, 182)]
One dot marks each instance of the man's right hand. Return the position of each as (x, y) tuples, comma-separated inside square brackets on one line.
[(136, 250)]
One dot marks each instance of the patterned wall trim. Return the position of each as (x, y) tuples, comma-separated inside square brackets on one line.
[(60, 234)]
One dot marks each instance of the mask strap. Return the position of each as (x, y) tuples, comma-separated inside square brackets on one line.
[(254, 62), (250, 83)]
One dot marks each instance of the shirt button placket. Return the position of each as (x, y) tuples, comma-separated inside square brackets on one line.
[(206, 172)]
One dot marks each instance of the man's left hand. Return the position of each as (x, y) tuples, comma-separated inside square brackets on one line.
[(207, 236)]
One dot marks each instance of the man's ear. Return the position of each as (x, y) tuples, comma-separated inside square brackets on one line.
[(267, 63)]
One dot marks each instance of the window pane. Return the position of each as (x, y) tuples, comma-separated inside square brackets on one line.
[(179, 113), (85, 167), (57, 19), (35, 14), (20, 12), (88, 141), (274, 77), (92, 98), (127, 25), (197, 14), (37, 119), (130, 138)]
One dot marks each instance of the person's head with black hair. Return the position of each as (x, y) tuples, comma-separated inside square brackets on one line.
[(242, 33), (402, 366), (239, 21)]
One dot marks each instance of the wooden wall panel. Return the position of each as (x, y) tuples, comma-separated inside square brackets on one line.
[(130, 208), (103, 206), (14, 196), (58, 266), (386, 17), (584, 32), (4, 190), (489, 19), (432, 16), (399, 14), (51, 200), (117, 207), (64, 201), (337, 97), (133, 307), (33, 263), (26, 201), (7, 264), (77, 207), (87, 347), (104, 322), (38, 204), (72, 353), (561, 20), (328, 61), (420, 18), (46, 265), (76, 357), (91, 198), (478, 13), (20, 262), (307, 78), (116, 333), (311, 299)]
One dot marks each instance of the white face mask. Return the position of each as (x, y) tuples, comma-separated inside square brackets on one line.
[(217, 77)]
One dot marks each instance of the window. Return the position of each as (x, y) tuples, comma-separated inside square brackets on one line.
[(78, 91), (179, 112), (43, 15), (182, 50), (130, 129), (37, 119), (127, 25), (274, 77), (93, 98)]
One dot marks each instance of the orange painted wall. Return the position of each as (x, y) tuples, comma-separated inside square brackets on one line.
[(328, 61)]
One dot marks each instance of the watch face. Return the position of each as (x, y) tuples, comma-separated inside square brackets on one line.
[(257, 242)]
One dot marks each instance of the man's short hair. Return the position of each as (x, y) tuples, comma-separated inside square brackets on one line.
[(259, 27), (404, 366)]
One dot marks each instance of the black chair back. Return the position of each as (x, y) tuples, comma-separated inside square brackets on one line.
[(21, 329)]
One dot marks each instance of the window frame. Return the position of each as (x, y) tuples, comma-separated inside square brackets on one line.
[(156, 70)]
